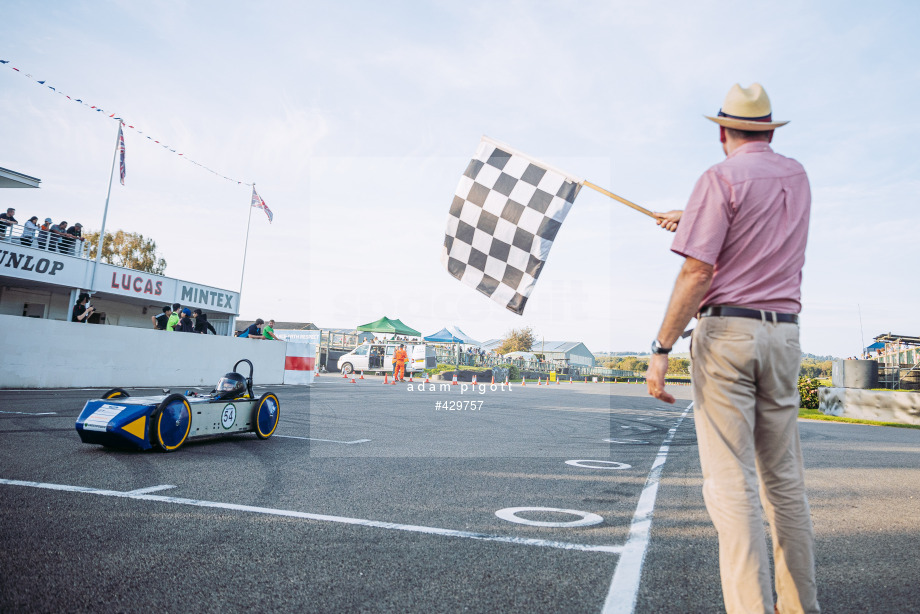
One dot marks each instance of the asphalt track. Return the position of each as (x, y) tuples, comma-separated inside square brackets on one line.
[(561, 498)]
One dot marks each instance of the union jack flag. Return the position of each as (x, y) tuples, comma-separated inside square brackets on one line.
[(121, 154), (258, 203)]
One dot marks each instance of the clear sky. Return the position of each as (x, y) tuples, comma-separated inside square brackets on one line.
[(356, 120)]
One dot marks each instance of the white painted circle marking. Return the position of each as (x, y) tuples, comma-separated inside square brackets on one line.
[(609, 464), (510, 514), (228, 417), (628, 442)]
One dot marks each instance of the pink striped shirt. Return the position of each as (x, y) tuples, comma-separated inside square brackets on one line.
[(748, 217)]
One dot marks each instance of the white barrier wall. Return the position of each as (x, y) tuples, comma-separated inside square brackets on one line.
[(880, 405), (39, 353)]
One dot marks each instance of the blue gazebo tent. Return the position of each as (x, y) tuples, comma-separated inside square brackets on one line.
[(466, 339), (452, 334), (443, 336)]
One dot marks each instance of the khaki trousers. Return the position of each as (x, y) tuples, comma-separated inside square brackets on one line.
[(746, 401)]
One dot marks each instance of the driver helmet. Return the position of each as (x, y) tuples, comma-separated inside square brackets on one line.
[(230, 385)]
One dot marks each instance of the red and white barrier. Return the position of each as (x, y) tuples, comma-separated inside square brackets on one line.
[(299, 363)]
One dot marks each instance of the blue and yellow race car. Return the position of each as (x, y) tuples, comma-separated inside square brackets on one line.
[(168, 421)]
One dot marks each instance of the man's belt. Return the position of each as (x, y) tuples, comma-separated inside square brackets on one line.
[(742, 312)]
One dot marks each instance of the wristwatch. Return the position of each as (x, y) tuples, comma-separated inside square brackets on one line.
[(658, 349)]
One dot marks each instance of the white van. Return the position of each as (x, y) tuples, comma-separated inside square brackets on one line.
[(378, 357)]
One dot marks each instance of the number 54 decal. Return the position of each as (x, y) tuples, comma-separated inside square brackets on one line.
[(229, 416)]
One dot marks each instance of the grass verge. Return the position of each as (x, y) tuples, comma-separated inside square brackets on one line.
[(814, 414)]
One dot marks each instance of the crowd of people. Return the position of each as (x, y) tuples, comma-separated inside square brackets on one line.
[(49, 236), (259, 330), (180, 319), (177, 318)]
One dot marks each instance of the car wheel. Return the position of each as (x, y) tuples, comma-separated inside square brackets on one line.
[(116, 393), (171, 423), (347, 369), (267, 414)]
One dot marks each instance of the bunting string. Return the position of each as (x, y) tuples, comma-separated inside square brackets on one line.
[(115, 116)]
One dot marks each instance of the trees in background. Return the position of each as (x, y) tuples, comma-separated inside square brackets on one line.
[(811, 367), (676, 366), (517, 340), (127, 249)]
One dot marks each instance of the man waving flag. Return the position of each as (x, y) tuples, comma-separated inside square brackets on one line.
[(258, 203), (504, 217)]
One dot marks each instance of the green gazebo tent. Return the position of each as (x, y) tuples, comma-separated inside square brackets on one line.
[(392, 327)]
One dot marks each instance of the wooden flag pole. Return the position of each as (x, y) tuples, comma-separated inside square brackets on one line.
[(622, 200)]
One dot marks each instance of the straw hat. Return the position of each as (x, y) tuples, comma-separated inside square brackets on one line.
[(747, 109)]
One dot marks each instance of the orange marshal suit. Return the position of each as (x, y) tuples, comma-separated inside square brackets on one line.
[(399, 360)]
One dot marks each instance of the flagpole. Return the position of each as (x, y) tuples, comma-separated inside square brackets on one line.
[(622, 200), (246, 248), (105, 212)]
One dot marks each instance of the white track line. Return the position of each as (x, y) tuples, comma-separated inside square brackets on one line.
[(321, 517), (327, 440), (28, 413), (149, 489), (624, 589)]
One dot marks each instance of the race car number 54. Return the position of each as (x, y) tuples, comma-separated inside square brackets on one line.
[(229, 416)]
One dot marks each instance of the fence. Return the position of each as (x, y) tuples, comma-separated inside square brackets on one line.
[(899, 377), (448, 355), (52, 240)]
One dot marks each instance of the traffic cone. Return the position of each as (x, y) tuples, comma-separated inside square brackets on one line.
[(362, 375), (427, 381), (474, 379), (454, 382), (493, 379), (353, 381), (586, 379), (410, 378), (539, 381), (523, 381), (343, 375), (506, 381), (558, 381), (570, 379), (385, 379)]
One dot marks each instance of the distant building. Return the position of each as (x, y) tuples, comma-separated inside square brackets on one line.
[(41, 277), (895, 350), (573, 353)]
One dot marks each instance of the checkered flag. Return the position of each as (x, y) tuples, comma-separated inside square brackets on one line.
[(503, 220)]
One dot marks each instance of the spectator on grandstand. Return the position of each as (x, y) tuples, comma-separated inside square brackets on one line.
[(202, 326), (161, 319)]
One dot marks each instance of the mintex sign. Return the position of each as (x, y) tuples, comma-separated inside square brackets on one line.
[(204, 296)]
